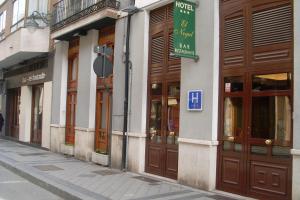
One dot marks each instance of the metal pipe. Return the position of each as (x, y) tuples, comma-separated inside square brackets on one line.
[(125, 122)]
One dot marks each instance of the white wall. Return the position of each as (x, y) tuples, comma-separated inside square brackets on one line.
[(25, 114), (47, 99)]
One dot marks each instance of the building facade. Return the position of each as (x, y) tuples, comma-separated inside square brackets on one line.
[(244, 141), (26, 71)]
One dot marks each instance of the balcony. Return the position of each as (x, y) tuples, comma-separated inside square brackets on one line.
[(23, 44), (81, 15)]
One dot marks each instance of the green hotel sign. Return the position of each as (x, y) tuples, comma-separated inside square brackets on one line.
[(184, 29)]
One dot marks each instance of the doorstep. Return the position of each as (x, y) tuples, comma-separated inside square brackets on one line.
[(100, 159)]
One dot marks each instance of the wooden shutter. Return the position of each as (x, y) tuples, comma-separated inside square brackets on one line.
[(272, 26), (161, 64), (271, 32), (233, 35)]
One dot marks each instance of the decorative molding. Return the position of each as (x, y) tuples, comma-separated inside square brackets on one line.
[(295, 152), (130, 134), (198, 142)]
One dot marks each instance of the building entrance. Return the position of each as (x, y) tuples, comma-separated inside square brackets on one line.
[(37, 114), (163, 97), (13, 111), (256, 98)]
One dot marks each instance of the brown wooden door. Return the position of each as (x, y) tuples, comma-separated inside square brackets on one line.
[(103, 120), (37, 114), (104, 97), (13, 111), (256, 98), (163, 97), (73, 60)]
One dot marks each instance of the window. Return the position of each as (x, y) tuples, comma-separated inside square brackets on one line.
[(18, 14), (18, 10), (37, 5), (2, 21)]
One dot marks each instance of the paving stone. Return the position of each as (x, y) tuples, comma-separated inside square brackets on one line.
[(47, 167), (91, 181)]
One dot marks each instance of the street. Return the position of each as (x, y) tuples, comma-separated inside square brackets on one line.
[(14, 187)]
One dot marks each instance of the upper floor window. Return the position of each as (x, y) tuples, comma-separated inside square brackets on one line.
[(2, 21), (37, 5), (18, 10)]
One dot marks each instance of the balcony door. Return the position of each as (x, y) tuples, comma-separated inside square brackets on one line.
[(256, 98), (163, 97)]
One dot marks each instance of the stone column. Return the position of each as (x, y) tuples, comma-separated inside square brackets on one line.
[(47, 99), (198, 130), (59, 96), (86, 97)]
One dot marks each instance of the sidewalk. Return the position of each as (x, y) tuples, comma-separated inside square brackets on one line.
[(74, 179)]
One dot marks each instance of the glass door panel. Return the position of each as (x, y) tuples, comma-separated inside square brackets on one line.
[(271, 119), (173, 113), (155, 118), (233, 117)]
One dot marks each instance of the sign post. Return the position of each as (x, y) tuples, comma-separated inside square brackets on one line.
[(184, 29)]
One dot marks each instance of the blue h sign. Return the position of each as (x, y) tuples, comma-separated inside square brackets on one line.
[(195, 100)]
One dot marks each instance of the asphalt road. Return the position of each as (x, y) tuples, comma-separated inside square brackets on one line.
[(14, 187)]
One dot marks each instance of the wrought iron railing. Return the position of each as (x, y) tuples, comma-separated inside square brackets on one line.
[(68, 11)]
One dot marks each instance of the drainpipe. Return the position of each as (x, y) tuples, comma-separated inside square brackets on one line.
[(130, 11), (125, 122)]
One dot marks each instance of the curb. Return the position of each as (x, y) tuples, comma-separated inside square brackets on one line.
[(43, 184)]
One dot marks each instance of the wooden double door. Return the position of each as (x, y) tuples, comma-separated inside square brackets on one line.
[(256, 120), (163, 96), (12, 112), (256, 98)]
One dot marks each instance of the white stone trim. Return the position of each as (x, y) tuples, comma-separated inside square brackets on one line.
[(198, 142), (130, 134), (84, 129), (295, 152), (155, 4), (57, 126)]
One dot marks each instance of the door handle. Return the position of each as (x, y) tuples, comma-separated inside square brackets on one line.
[(268, 142)]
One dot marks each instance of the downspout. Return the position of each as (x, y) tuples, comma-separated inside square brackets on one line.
[(125, 122)]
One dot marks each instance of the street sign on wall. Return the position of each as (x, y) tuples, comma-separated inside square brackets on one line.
[(184, 29), (195, 100)]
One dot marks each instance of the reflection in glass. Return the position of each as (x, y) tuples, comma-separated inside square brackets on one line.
[(233, 84), (271, 118), (280, 151), (38, 94), (233, 116), (260, 150), (173, 113), (237, 147), (155, 121), (174, 90), (281, 81), (226, 145)]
